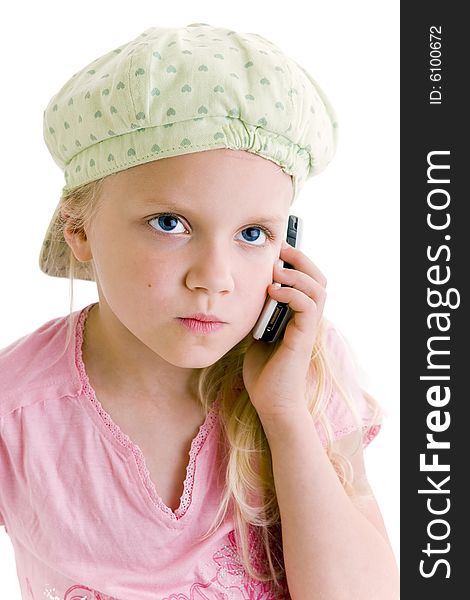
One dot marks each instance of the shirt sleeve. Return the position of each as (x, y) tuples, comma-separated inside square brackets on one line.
[(4, 471), (364, 414), (2, 474)]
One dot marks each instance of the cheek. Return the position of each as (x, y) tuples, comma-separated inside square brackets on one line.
[(253, 284), (118, 261), (113, 261)]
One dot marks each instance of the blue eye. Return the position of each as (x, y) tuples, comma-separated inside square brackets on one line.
[(253, 236), (166, 223)]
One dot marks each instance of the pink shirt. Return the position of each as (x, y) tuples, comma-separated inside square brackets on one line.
[(76, 498)]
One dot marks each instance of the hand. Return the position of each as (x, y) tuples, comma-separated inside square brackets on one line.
[(275, 375)]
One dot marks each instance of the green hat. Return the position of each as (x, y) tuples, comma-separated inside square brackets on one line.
[(173, 91)]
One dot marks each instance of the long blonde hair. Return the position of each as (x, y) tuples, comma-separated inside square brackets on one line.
[(249, 492)]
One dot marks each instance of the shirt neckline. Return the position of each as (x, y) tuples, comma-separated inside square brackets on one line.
[(106, 421)]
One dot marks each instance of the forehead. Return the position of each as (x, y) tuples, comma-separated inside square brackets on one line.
[(219, 158), (230, 176)]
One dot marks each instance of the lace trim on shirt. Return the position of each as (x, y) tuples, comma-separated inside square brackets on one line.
[(125, 440), (368, 433)]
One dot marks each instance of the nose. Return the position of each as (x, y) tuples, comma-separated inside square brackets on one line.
[(211, 268)]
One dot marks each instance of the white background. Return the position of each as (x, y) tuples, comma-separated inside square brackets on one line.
[(351, 210)]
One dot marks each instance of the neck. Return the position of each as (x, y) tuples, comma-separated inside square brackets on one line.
[(119, 363)]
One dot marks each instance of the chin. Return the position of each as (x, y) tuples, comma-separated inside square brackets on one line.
[(193, 362), (197, 357)]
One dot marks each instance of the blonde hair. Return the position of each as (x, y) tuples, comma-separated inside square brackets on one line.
[(249, 491)]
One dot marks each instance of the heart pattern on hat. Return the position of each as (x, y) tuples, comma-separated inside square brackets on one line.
[(187, 88)]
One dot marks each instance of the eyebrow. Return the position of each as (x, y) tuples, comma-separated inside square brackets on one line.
[(169, 205)]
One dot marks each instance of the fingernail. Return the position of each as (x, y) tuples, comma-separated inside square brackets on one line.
[(279, 263)]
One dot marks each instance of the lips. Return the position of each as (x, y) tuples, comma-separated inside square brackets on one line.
[(200, 327), (205, 318)]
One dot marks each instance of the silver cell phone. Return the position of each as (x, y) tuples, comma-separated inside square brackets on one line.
[(275, 315)]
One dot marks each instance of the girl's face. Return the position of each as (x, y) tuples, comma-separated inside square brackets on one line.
[(193, 233)]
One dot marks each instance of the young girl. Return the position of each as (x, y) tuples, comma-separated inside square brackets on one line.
[(150, 447)]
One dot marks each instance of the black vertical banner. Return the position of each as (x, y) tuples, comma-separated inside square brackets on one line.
[(435, 268)]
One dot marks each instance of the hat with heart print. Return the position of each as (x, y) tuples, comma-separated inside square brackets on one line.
[(173, 91)]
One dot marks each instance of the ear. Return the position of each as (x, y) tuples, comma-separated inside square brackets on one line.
[(78, 241)]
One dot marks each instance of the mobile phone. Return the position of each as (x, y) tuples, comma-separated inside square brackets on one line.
[(275, 315)]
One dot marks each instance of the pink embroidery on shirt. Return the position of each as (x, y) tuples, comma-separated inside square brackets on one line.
[(80, 592), (30, 589), (230, 582)]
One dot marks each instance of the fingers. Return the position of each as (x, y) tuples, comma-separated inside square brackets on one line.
[(298, 300), (307, 284), (302, 263), (300, 281), (304, 292)]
